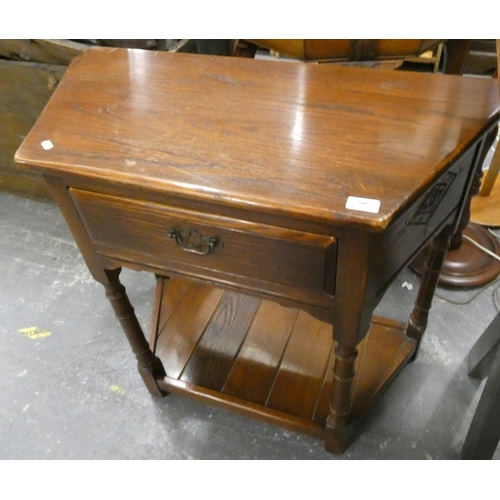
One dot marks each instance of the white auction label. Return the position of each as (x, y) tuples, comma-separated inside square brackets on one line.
[(363, 204), (47, 145)]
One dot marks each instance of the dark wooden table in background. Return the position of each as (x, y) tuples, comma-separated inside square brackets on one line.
[(229, 179)]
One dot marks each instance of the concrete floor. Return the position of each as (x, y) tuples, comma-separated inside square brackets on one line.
[(75, 394)]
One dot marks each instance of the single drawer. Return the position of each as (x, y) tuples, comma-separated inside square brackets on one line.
[(207, 245)]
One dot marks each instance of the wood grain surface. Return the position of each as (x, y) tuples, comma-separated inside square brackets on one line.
[(294, 138)]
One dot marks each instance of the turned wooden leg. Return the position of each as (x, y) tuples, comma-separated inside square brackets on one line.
[(338, 429), (149, 365), (418, 319)]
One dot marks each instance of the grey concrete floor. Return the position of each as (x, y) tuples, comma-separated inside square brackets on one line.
[(76, 394)]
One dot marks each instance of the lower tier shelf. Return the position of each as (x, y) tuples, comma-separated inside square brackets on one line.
[(262, 359)]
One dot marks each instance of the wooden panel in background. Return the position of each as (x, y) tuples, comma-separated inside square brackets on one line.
[(41, 51), (25, 89)]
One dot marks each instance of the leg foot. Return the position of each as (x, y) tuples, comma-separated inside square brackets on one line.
[(337, 440)]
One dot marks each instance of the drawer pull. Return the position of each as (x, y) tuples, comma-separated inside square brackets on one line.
[(192, 241)]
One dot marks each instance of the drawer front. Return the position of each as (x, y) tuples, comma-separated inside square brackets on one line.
[(206, 245)]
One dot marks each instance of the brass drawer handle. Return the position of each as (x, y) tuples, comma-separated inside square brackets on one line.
[(192, 241)]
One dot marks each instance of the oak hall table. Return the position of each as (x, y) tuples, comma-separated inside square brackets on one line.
[(272, 201)]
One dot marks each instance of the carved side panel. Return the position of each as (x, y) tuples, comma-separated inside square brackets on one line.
[(439, 205)]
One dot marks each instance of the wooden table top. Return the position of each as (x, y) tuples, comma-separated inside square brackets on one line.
[(291, 138)]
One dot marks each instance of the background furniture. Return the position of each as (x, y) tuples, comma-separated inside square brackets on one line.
[(485, 208), (484, 361), (324, 50)]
